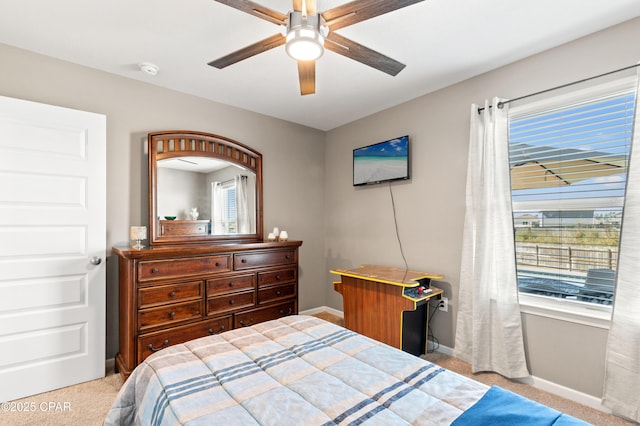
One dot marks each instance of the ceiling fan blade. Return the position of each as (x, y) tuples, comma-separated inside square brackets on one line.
[(249, 51), (255, 9), (361, 10), (349, 48), (307, 75)]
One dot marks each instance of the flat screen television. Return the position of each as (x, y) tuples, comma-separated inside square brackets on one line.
[(381, 162)]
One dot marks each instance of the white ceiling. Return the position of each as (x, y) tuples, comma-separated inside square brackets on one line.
[(440, 41)]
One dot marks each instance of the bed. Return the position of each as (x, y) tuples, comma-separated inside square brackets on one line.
[(301, 370)]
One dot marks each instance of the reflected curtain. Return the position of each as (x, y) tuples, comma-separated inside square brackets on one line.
[(242, 205), (217, 209), (489, 328), (622, 370)]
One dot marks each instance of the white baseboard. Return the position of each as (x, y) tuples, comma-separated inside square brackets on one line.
[(110, 365), (319, 309), (445, 350), (554, 388), (571, 394)]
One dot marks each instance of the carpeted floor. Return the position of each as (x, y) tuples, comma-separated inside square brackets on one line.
[(86, 404), (79, 405)]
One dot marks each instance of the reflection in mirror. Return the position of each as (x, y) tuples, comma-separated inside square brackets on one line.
[(220, 197), (203, 188)]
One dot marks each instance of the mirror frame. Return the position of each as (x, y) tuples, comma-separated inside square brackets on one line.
[(179, 143)]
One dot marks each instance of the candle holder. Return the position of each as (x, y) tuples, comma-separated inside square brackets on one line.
[(138, 233)]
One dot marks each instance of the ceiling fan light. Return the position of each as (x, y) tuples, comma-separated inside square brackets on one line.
[(305, 42), (305, 45)]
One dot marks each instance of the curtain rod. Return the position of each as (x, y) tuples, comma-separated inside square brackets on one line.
[(562, 86), (231, 180)]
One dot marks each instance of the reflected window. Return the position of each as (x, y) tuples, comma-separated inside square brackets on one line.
[(225, 215)]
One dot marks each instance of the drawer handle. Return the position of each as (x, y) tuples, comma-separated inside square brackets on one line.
[(243, 261), (278, 277), (172, 315), (172, 294), (287, 257), (164, 345), (154, 270), (285, 314), (232, 302), (278, 293), (217, 264), (247, 324), (231, 284), (220, 330)]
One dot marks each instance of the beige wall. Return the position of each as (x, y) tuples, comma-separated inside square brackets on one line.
[(293, 166), (430, 208)]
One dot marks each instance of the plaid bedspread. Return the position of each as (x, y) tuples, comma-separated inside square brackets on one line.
[(297, 370)]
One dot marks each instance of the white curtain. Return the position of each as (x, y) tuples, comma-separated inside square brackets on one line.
[(622, 371), (489, 329), (217, 209), (242, 205)]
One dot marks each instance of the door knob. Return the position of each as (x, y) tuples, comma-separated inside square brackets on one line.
[(95, 260)]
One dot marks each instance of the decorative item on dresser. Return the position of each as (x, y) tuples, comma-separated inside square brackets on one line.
[(193, 282)]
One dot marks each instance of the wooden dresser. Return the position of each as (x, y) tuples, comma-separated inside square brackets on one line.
[(172, 294)]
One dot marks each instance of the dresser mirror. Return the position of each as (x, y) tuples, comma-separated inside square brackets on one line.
[(203, 188)]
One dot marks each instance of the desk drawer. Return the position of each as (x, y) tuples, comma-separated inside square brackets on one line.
[(264, 258), (231, 302), (169, 314), (179, 292), (153, 342), (151, 270), (277, 277), (232, 283)]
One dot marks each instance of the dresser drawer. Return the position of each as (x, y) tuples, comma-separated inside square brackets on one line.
[(184, 227), (231, 302), (153, 342), (151, 270), (169, 314), (231, 283), (277, 277), (264, 258), (245, 319), (179, 292), (271, 294)]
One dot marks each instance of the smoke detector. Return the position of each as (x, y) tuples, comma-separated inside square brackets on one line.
[(148, 68)]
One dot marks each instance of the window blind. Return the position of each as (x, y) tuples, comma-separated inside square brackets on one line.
[(568, 165)]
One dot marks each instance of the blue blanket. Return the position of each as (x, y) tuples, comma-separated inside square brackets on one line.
[(501, 407)]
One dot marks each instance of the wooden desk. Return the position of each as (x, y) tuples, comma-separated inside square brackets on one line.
[(384, 303)]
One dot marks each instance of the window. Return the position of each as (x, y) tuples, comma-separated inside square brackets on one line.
[(224, 207), (568, 157)]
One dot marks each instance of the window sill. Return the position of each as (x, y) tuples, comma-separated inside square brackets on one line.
[(566, 310)]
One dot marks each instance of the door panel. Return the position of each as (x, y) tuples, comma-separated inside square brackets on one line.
[(52, 223)]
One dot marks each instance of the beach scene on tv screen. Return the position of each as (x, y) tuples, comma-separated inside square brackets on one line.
[(380, 162)]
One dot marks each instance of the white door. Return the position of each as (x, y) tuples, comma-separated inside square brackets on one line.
[(52, 247)]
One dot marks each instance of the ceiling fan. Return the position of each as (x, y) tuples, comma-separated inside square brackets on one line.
[(306, 33)]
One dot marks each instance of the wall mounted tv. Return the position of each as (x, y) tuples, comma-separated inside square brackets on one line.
[(381, 162)]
